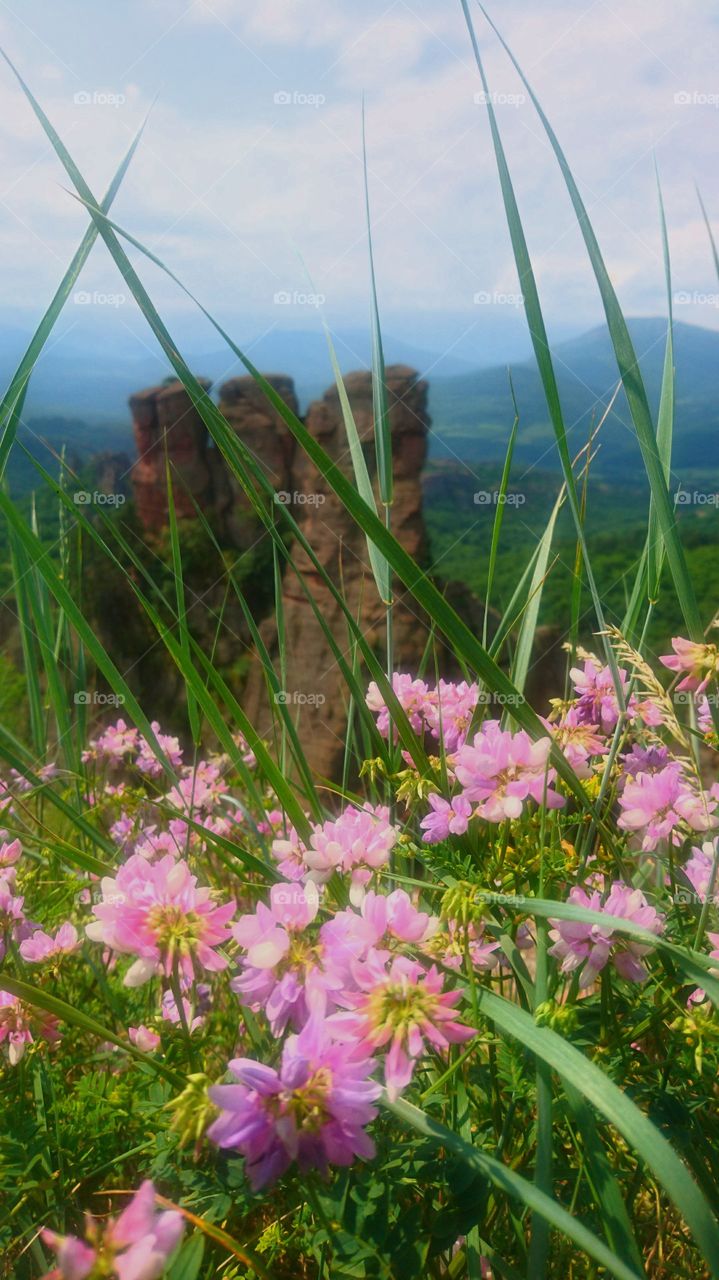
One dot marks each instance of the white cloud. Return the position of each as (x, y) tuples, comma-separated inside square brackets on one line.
[(228, 185)]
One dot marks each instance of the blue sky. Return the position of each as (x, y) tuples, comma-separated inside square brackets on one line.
[(251, 163)]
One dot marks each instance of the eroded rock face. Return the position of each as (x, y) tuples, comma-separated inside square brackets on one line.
[(269, 440), (164, 419), (315, 687)]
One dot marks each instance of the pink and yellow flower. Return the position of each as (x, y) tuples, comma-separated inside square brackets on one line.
[(400, 1006), (134, 1246), (159, 913), (313, 1110)]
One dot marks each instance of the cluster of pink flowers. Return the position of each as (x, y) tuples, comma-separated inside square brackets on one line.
[(312, 1110), (444, 712), (135, 1246), (588, 948), (498, 773), (358, 843), (158, 913), (348, 992), (698, 662), (19, 1025), (665, 804)]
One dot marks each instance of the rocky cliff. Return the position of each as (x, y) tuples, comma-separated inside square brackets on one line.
[(166, 424)]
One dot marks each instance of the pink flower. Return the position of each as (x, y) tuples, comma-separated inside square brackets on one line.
[(43, 946), (134, 1246), (282, 968), (289, 853), (656, 804), (146, 760), (14, 925), (383, 921), (461, 941), (447, 816), (171, 1013), (699, 661), (412, 696), (312, 1111), (18, 1022), (157, 912), (578, 943), (445, 712), (113, 745), (401, 1005), (502, 770), (143, 1038), (358, 842), (10, 854), (449, 712), (598, 702), (699, 869), (199, 789), (579, 739)]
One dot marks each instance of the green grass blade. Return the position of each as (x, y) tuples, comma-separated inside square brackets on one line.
[(499, 516), (615, 1106), (20, 378), (76, 1018), (629, 370), (504, 1178), (665, 423)]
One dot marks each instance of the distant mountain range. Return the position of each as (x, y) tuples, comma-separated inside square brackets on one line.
[(79, 390), (473, 413)]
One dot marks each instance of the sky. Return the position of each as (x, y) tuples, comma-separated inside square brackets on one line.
[(248, 182)]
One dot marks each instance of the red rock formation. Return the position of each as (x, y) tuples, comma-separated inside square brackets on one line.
[(269, 440), (164, 418), (315, 688)]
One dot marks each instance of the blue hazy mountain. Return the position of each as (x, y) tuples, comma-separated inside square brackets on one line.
[(473, 413), (79, 389)]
